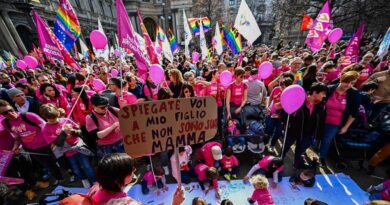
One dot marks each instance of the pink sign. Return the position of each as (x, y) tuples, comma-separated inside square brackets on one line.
[(5, 159)]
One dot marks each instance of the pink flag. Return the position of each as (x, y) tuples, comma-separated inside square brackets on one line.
[(149, 44), (46, 41), (241, 57), (126, 36), (5, 159), (321, 27), (52, 47), (352, 49)]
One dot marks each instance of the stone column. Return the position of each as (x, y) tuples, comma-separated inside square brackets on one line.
[(8, 38), (14, 33)]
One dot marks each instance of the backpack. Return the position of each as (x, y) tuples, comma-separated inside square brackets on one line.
[(24, 118), (95, 120)]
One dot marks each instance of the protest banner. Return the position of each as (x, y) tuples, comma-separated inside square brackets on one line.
[(5, 159), (157, 126)]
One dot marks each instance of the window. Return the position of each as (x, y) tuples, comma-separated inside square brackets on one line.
[(232, 2), (145, 0), (91, 5), (102, 7)]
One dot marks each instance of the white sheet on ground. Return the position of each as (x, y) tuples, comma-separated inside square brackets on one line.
[(332, 189)]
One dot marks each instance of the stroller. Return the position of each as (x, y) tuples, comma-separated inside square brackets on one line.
[(361, 139), (249, 133)]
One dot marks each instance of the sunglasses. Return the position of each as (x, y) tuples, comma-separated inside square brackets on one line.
[(7, 112)]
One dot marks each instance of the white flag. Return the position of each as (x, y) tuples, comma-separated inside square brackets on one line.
[(218, 40), (166, 47), (246, 23), (383, 48), (105, 52), (203, 44), (187, 34), (84, 48)]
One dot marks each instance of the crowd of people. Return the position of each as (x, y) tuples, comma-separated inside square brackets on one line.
[(60, 125)]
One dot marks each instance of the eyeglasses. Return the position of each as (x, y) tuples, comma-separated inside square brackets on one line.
[(186, 91), (7, 112)]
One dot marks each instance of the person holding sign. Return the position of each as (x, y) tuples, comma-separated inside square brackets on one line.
[(103, 125), (114, 173)]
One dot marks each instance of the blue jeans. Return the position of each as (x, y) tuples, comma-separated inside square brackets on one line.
[(80, 164), (230, 141), (103, 150), (273, 127), (330, 132)]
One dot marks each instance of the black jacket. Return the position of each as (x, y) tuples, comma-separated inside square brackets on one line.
[(302, 124), (34, 105), (353, 103)]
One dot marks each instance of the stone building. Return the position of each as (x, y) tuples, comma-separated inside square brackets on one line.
[(17, 29), (261, 9)]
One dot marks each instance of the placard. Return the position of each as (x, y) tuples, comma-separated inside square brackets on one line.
[(157, 126), (5, 159)]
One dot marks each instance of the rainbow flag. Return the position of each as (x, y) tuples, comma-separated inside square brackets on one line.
[(194, 24), (3, 64), (67, 27), (11, 60), (232, 41), (160, 35), (172, 41)]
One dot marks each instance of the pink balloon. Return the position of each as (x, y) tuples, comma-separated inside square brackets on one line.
[(335, 35), (114, 72), (292, 98), (195, 56), (31, 61), (265, 70), (90, 92), (98, 85), (156, 73), (98, 39), (226, 78), (158, 50), (117, 53), (21, 64)]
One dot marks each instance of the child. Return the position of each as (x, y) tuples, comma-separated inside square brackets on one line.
[(366, 92), (226, 202), (383, 189), (199, 201), (232, 132), (305, 175), (207, 174), (229, 165), (269, 166), (157, 180), (64, 135), (261, 195), (186, 170)]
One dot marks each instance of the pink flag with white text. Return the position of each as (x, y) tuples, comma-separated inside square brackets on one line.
[(352, 50), (126, 36), (50, 44), (321, 27)]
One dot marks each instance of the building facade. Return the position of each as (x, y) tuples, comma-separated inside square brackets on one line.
[(262, 11), (18, 34)]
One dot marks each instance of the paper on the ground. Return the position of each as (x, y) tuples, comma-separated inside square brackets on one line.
[(332, 189)]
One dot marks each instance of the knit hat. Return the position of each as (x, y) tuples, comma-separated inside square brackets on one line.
[(98, 99), (13, 91)]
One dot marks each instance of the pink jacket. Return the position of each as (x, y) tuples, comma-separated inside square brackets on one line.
[(206, 155)]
